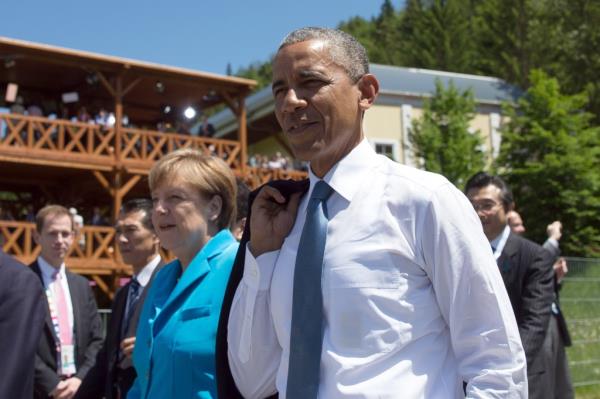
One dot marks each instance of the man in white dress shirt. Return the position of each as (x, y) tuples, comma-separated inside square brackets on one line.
[(413, 304)]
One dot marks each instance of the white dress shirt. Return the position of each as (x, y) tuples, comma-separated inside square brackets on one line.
[(143, 277), (50, 285), (413, 300), (499, 242)]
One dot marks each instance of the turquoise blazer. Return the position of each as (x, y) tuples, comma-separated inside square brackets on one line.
[(174, 353)]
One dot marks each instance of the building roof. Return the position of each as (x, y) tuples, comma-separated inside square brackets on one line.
[(50, 69), (415, 82), (393, 81)]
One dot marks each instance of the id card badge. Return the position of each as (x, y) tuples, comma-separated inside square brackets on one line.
[(67, 359)]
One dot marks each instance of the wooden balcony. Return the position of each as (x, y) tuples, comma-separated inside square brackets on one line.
[(55, 142)]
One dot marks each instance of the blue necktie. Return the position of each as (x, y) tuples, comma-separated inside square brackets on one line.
[(306, 338), (132, 297)]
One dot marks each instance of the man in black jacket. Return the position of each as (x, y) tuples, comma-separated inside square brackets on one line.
[(113, 373), (21, 320), (526, 269), (72, 333)]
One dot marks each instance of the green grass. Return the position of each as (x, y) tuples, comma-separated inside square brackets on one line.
[(580, 302)]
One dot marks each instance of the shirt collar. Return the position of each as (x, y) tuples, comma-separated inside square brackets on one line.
[(143, 277), (499, 242), (342, 177), (48, 270)]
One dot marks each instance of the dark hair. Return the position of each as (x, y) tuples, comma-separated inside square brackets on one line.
[(343, 48), (243, 192), (139, 205), (483, 179)]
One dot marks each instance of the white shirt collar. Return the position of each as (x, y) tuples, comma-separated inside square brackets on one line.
[(143, 277), (342, 177), (499, 242), (48, 270)]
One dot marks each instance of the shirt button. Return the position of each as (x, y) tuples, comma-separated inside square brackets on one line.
[(253, 272)]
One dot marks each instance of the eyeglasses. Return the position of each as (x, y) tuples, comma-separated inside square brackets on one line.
[(485, 206)]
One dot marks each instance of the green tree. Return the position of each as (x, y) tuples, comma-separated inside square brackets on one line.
[(442, 140), (516, 36), (262, 72), (437, 34), (550, 156)]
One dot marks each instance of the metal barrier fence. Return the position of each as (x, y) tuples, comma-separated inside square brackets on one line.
[(580, 303)]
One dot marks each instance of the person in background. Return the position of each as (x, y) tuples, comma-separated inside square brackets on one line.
[(526, 269), (113, 372), (22, 318), (558, 336), (193, 199), (72, 334), (206, 129)]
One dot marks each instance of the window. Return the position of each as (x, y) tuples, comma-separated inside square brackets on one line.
[(389, 148)]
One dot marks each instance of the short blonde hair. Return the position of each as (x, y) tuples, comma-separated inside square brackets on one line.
[(208, 174), (54, 211)]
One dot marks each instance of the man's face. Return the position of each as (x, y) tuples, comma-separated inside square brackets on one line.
[(488, 204), (137, 243), (317, 105), (515, 222), (55, 238)]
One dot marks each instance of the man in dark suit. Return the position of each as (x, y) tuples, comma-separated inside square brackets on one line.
[(72, 333), (558, 336), (113, 373), (21, 320), (527, 272)]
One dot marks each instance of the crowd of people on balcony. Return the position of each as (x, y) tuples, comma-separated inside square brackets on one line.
[(276, 161)]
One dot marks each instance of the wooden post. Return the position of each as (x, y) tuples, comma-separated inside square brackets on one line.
[(115, 193), (243, 132), (118, 119)]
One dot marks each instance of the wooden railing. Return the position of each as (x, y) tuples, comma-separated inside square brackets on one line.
[(38, 139), (256, 177), (92, 252), (41, 140), (141, 148)]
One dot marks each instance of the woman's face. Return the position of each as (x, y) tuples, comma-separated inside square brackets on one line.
[(183, 219)]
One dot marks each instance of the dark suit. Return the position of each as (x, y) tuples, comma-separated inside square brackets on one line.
[(87, 335), (21, 321), (109, 375), (226, 387), (527, 272), (558, 337)]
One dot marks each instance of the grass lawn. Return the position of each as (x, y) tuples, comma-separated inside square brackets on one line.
[(580, 302)]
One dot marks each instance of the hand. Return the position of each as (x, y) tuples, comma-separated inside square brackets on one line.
[(127, 346), (560, 268), (271, 220), (554, 230), (66, 389)]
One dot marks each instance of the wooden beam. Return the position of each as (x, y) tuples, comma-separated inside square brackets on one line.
[(131, 86), (231, 103), (243, 132), (128, 186), (103, 286), (103, 181), (106, 83)]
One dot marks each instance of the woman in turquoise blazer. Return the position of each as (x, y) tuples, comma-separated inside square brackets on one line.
[(194, 206)]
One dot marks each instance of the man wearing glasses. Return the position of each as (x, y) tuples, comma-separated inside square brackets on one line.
[(527, 272)]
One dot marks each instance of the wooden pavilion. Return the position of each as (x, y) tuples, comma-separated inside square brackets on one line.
[(48, 158)]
